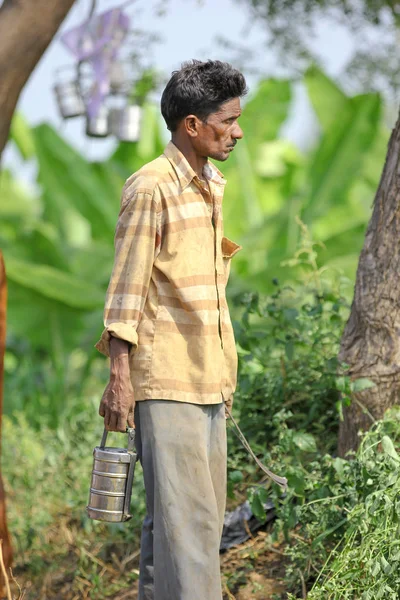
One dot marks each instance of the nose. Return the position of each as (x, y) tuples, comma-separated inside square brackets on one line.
[(237, 133)]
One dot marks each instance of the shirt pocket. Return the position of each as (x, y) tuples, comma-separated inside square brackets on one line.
[(229, 249)]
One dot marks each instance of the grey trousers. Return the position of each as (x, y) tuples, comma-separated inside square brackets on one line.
[(182, 448)]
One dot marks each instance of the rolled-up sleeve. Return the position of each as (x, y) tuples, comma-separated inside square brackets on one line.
[(137, 242)]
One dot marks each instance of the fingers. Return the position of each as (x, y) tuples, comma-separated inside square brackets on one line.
[(117, 408), (114, 421), (107, 420), (131, 417), (121, 423), (102, 407), (228, 407)]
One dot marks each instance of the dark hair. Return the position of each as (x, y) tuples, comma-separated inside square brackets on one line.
[(199, 88)]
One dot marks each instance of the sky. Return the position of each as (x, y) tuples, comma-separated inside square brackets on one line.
[(188, 30)]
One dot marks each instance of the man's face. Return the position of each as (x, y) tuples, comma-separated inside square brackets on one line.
[(217, 137)]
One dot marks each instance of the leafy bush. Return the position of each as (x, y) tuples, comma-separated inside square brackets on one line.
[(288, 398), (366, 561), (339, 518), (47, 477), (347, 540)]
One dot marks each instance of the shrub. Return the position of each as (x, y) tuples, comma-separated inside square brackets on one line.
[(340, 518), (288, 397)]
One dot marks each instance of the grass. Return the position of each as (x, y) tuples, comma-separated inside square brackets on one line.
[(59, 552), (47, 478), (343, 545)]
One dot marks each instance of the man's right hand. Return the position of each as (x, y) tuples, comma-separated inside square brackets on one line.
[(118, 403)]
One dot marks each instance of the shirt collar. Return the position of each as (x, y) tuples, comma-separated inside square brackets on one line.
[(185, 172)]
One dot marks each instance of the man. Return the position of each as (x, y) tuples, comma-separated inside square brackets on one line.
[(169, 335)]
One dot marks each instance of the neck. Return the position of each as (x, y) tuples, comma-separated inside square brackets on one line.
[(195, 161)]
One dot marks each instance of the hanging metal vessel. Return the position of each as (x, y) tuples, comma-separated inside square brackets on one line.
[(112, 478), (97, 126), (69, 99), (118, 79), (124, 123)]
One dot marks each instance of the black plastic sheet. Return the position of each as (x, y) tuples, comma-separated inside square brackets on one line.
[(239, 522)]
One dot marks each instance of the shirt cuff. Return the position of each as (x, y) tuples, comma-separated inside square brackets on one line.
[(121, 331)]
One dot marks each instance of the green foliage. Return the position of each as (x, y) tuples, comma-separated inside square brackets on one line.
[(22, 136), (339, 518), (57, 241), (336, 515), (367, 9), (57, 238), (340, 155), (68, 184), (47, 478), (347, 541), (70, 224), (288, 395), (288, 345), (331, 188), (55, 284), (292, 24)]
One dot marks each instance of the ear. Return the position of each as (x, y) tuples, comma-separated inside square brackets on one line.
[(191, 124)]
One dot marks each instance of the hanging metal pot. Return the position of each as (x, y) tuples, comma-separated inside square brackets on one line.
[(98, 125), (69, 99), (118, 78), (124, 123)]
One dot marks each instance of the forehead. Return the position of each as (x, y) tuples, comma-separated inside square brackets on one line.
[(231, 108)]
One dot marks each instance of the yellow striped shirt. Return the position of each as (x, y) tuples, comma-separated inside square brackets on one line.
[(166, 295)]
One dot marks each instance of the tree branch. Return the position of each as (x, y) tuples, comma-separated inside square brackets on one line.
[(26, 30), (4, 535)]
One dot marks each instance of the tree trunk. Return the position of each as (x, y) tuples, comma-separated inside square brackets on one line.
[(7, 551), (26, 29), (371, 342)]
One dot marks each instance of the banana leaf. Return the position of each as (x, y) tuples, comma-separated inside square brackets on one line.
[(265, 112), (22, 136), (339, 158), (327, 99), (70, 181), (16, 200), (262, 117), (54, 284)]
